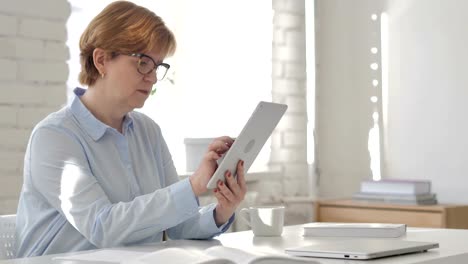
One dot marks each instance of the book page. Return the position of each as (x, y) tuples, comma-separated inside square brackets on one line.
[(236, 255), (179, 256), (243, 257), (106, 255)]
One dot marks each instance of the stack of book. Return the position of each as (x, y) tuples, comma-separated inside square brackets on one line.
[(416, 192)]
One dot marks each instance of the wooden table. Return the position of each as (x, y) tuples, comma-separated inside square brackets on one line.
[(347, 210)]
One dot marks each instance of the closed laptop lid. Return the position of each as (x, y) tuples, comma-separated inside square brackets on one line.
[(361, 248)]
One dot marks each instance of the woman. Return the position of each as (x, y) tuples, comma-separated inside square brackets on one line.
[(98, 174)]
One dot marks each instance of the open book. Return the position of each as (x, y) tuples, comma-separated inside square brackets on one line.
[(214, 255)]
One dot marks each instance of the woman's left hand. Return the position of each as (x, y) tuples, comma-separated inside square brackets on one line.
[(230, 194)]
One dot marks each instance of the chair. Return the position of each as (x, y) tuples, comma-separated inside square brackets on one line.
[(7, 236)]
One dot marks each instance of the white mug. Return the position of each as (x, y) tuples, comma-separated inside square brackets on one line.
[(265, 220)]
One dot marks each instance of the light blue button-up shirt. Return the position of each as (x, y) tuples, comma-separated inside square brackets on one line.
[(88, 186)]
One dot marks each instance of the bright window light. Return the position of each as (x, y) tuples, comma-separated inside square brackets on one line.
[(219, 74)]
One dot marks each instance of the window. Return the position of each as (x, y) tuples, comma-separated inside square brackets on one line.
[(221, 69)]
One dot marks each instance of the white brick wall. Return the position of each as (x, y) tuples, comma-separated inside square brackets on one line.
[(8, 70), (33, 74), (8, 24), (42, 29), (8, 116), (31, 71), (47, 9), (289, 151)]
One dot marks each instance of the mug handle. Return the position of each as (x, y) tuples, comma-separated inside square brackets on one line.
[(244, 214)]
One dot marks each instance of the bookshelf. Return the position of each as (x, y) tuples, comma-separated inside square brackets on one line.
[(436, 216)]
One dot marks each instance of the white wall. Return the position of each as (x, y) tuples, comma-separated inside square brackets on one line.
[(428, 80), (33, 72), (426, 132), (344, 36)]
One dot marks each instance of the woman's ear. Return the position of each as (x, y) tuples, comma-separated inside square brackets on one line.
[(100, 59)]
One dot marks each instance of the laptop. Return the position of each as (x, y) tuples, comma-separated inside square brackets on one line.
[(250, 141), (362, 248)]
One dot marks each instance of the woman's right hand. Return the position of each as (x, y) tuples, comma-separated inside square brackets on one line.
[(209, 164)]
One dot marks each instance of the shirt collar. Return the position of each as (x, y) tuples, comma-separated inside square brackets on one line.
[(94, 127)]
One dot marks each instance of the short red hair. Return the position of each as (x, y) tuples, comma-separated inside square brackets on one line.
[(123, 27)]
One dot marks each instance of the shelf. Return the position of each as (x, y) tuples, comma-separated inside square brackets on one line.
[(346, 210)]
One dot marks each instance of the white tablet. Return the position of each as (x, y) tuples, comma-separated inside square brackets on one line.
[(250, 140)]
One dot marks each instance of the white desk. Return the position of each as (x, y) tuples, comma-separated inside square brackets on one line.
[(453, 246), (452, 242)]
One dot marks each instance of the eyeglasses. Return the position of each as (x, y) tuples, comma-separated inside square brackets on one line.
[(146, 65)]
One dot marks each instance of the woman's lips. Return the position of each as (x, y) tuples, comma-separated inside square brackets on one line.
[(144, 92)]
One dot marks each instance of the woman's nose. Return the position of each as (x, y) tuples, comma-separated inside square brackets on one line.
[(151, 77)]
